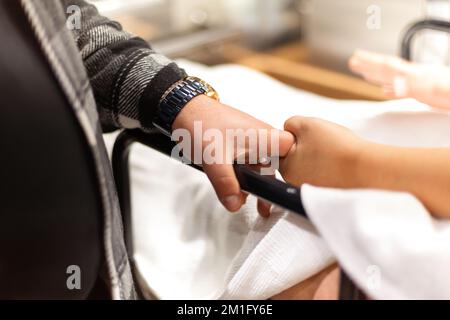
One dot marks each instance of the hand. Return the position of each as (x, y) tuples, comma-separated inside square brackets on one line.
[(328, 155), (392, 73), (402, 79), (214, 115), (324, 155)]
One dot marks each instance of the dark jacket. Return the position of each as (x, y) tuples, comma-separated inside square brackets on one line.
[(112, 80)]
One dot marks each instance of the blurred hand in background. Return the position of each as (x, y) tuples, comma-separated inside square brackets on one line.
[(399, 78)]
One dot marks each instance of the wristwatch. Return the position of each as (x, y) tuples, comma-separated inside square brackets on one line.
[(176, 97)]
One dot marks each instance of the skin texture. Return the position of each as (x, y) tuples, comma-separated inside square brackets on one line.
[(402, 79), (215, 115), (328, 155), (322, 286)]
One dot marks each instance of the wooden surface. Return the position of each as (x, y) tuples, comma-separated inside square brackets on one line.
[(288, 65)]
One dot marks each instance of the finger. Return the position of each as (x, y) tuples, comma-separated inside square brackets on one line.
[(372, 59), (295, 125), (374, 67), (225, 184), (363, 62), (279, 142), (286, 142), (378, 68), (272, 145), (264, 208), (374, 73), (389, 91)]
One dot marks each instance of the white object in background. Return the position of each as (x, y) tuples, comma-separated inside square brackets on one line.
[(334, 29), (115, 7), (188, 15), (432, 47), (264, 20)]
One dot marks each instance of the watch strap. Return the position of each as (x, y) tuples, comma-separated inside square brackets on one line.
[(174, 100)]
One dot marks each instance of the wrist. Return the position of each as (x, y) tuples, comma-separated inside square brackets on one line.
[(194, 111), (177, 98), (366, 169)]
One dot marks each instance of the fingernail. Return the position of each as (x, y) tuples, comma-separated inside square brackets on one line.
[(232, 203)]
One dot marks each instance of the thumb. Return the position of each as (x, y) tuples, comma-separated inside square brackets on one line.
[(286, 140), (226, 185), (296, 125), (278, 143)]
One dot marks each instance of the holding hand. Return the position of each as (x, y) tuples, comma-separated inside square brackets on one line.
[(325, 154), (328, 155), (219, 117)]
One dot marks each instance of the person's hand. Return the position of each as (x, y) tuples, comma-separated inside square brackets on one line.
[(402, 79), (219, 117), (325, 154), (395, 75)]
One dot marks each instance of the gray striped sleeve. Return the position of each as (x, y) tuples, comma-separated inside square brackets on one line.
[(127, 76)]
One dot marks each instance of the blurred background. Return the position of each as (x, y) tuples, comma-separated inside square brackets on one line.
[(283, 37)]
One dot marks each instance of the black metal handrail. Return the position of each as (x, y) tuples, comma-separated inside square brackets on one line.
[(275, 191)]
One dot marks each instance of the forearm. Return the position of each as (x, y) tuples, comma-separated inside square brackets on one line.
[(422, 172)]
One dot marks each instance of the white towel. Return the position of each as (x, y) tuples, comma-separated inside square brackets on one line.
[(189, 247), (386, 241)]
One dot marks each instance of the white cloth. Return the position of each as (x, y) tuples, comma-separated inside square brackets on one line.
[(386, 241), (189, 247)]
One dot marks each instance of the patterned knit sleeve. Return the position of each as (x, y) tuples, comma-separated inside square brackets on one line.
[(128, 78)]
